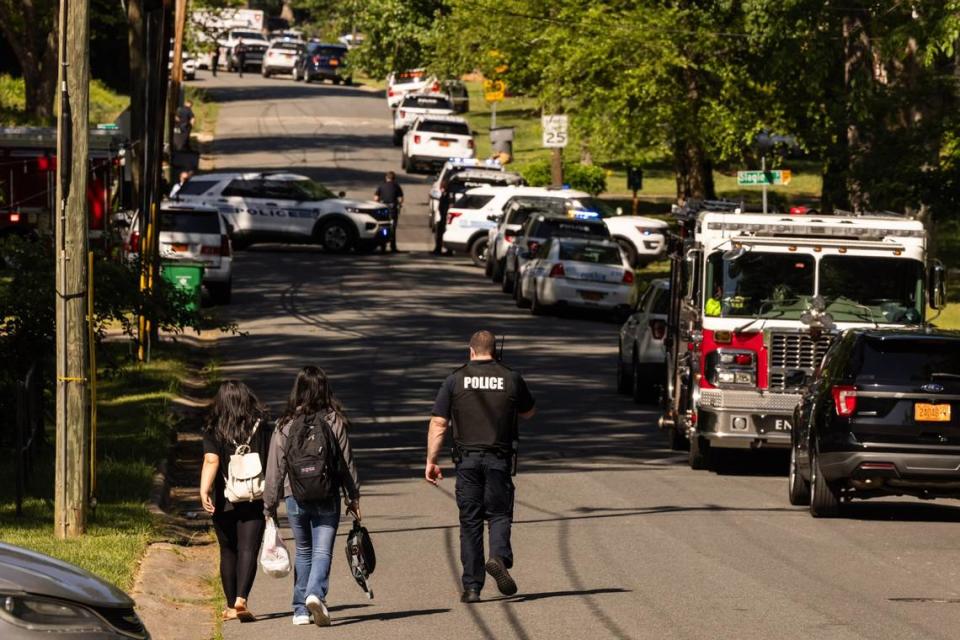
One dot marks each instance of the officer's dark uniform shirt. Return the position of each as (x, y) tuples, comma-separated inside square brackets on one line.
[(389, 192), (483, 398)]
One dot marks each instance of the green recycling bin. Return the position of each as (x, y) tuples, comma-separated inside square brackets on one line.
[(187, 277)]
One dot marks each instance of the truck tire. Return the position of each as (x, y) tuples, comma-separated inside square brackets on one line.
[(478, 252), (337, 236), (798, 489), (397, 138), (699, 457), (824, 498), (678, 441)]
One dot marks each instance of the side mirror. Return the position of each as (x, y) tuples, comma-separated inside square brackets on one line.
[(937, 285), (341, 194)]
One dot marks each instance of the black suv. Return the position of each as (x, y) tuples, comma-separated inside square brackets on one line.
[(539, 228), (323, 62), (881, 417)]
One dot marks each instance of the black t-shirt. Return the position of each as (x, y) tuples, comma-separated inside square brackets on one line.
[(483, 398), (184, 116), (259, 443), (389, 193)]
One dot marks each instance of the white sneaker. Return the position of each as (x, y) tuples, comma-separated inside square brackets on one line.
[(321, 617), (301, 620)]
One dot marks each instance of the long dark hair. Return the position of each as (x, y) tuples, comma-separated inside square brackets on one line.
[(235, 411), (311, 394)]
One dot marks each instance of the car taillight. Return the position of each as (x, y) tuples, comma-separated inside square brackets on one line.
[(453, 215), (316, 60), (436, 87), (391, 92), (133, 244), (469, 144), (224, 246), (14, 218), (845, 399), (532, 246), (416, 139), (509, 236), (210, 250), (557, 271), (658, 329), (627, 276)]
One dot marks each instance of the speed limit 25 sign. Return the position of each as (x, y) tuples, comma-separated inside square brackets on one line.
[(554, 131)]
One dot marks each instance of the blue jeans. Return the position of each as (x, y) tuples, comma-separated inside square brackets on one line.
[(314, 529)]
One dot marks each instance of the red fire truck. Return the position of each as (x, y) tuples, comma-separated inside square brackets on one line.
[(755, 302), (28, 170)]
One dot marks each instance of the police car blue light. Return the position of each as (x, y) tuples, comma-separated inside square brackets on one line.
[(585, 215)]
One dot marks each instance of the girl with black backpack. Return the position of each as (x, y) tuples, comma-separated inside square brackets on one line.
[(310, 463), (235, 441)]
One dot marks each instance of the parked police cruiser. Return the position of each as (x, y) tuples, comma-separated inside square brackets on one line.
[(285, 207)]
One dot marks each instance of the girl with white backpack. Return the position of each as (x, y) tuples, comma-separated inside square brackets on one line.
[(236, 439)]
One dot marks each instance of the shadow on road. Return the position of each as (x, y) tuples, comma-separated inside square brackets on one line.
[(387, 615), (284, 89)]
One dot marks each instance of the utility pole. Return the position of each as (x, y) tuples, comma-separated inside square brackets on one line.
[(556, 167), (174, 100), (72, 415)]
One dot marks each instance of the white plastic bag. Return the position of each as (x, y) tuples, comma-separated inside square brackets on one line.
[(274, 557)]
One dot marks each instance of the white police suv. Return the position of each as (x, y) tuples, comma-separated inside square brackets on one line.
[(418, 105), (285, 207), (432, 140)]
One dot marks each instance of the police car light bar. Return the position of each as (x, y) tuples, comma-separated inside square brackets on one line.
[(876, 245), (816, 231)]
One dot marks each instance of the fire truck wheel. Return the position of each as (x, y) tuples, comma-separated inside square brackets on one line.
[(678, 441), (824, 498), (699, 457), (798, 488)]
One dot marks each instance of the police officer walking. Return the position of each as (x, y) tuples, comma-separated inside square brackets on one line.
[(391, 194), (443, 207), (483, 399)]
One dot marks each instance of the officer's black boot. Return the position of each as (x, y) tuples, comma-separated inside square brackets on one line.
[(498, 571), (470, 596)]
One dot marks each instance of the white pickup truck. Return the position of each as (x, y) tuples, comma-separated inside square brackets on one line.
[(418, 105)]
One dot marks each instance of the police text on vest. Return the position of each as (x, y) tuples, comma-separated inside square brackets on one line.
[(487, 383)]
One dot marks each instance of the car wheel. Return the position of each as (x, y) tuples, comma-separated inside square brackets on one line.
[(265, 73), (798, 488), (348, 82), (336, 236), (488, 266), (699, 456), (478, 252), (628, 250), (497, 274), (522, 302), (624, 377), (397, 138), (507, 284), (536, 308), (644, 388), (824, 498)]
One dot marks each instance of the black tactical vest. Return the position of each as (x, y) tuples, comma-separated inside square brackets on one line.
[(484, 407)]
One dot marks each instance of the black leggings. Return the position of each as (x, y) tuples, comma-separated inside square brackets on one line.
[(239, 532)]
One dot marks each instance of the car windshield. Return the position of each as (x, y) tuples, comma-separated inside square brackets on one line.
[(442, 126), (592, 253), (564, 228), (759, 284), (905, 359), (206, 222), (881, 290), (248, 35), (427, 102), (311, 190), (327, 51)]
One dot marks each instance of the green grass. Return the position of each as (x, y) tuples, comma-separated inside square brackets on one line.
[(134, 432), (105, 104), (206, 111), (659, 183)]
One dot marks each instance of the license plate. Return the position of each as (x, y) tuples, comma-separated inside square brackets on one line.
[(334, 63), (591, 295), (179, 248), (926, 412), (444, 143)]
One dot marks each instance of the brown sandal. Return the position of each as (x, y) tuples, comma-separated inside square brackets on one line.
[(228, 614), (243, 614)]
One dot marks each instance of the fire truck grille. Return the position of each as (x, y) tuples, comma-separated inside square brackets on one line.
[(791, 352)]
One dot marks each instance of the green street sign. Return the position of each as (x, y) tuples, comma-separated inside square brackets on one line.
[(760, 178)]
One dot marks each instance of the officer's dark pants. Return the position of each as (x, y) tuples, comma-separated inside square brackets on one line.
[(438, 234), (484, 491)]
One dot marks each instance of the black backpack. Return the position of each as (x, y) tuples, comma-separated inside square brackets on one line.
[(313, 459)]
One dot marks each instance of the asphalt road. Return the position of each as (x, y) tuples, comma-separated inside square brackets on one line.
[(615, 537)]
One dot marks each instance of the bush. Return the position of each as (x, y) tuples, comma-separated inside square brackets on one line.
[(582, 177)]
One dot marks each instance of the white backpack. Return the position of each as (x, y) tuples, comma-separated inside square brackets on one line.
[(244, 473)]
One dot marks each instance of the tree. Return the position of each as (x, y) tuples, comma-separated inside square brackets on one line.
[(396, 34), (30, 28)]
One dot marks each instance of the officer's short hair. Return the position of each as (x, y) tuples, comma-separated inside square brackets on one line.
[(483, 342), (391, 175)]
